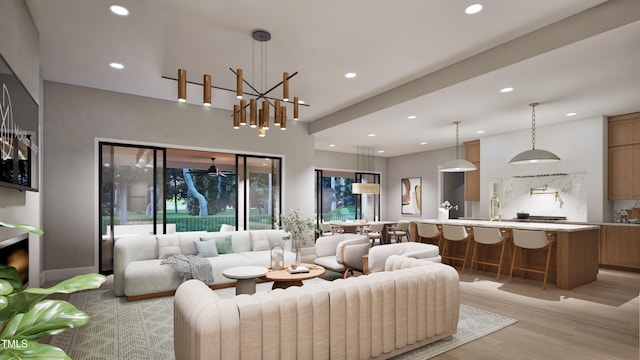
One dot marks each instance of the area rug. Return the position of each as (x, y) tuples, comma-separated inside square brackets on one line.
[(132, 330)]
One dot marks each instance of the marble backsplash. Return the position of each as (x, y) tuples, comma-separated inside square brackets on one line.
[(543, 195)]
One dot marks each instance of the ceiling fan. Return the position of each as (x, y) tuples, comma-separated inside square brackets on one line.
[(213, 170)]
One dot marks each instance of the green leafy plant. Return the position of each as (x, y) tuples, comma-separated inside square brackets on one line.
[(296, 224), (26, 317)]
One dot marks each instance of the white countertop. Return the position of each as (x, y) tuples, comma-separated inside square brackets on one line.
[(516, 225)]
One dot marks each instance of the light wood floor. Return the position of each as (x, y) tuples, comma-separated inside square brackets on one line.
[(594, 321)]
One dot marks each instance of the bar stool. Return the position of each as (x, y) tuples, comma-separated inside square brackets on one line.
[(429, 231), (454, 233), (487, 236), (532, 240)]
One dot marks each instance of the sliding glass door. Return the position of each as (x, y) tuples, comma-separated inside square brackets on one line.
[(335, 200), (131, 193), (153, 190), (261, 182)]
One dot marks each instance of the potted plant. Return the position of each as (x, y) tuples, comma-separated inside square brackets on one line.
[(26, 317)]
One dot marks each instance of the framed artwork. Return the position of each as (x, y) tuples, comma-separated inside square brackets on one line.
[(411, 196)]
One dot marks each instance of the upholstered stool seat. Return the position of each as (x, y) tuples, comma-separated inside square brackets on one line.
[(429, 232), (455, 233), (532, 240), (489, 236)]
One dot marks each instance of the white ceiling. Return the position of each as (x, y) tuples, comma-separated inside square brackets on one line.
[(416, 57)]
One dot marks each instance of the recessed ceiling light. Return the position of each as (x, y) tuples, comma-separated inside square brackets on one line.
[(423, 143), (506, 90), (350, 75), (572, 114), (117, 65), (380, 151), (411, 117), (119, 10), (372, 135), (473, 9), (480, 132), (332, 145), (300, 101)]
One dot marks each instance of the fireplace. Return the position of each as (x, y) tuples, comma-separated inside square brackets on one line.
[(14, 251)]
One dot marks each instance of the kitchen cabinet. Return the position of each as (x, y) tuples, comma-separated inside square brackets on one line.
[(472, 178), (624, 157), (624, 129), (620, 246)]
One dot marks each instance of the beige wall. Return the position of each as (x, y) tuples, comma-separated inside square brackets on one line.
[(77, 117), (19, 43)]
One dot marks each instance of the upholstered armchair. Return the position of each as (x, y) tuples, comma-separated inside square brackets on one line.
[(341, 253)]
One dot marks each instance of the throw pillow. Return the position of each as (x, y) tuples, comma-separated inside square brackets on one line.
[(260, 240), (223, 244), (206, 248), (168, 244)]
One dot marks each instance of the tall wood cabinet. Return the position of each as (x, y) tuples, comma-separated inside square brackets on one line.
[(472, 178), (624, 157)]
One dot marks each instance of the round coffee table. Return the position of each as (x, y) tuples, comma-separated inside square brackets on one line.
[(282, 279), (246, 276)]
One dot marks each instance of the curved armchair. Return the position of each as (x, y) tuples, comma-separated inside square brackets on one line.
[(379, 254), (342, 252)]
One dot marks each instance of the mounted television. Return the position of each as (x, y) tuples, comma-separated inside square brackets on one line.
[(18, 133)]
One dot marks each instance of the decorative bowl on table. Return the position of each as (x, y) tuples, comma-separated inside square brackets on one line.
[(522, 215)]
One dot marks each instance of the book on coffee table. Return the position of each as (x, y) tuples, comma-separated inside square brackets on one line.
[(298, 270)]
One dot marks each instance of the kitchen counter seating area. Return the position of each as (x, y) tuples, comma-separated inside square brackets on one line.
[(574, 256)]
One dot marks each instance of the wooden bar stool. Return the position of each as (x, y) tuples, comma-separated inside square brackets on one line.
[(455, 233), (532, 240), (487, 236), (429, 231)]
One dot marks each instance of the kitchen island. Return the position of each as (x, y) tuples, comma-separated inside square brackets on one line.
[(576, 249)]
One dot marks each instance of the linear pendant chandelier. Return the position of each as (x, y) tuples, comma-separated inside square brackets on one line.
[(457, 165), (534, 155), (259, 112)]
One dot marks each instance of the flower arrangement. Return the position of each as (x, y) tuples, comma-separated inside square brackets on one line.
[(296, 224), (447, 205)]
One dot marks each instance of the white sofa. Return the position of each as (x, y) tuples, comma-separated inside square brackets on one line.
[(137, 272), (379, 315), (379, 254), (341, 252)]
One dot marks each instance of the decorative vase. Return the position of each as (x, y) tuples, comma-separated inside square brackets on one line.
[(443, 214), (296, 250)]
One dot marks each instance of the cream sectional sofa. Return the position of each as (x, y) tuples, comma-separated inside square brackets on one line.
[(413, 303), (137, 272)]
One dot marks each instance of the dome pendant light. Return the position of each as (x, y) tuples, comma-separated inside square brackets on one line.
[(534, 155), (457, 165)]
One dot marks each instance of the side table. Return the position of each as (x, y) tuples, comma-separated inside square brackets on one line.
[(246, 277)]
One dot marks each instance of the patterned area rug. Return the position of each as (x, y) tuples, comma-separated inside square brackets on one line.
[(144, 329)]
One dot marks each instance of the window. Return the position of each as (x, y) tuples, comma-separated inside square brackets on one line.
[(335, 202)]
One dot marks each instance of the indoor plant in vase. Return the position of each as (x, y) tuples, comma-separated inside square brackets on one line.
[(25, 315), (297, 226)]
